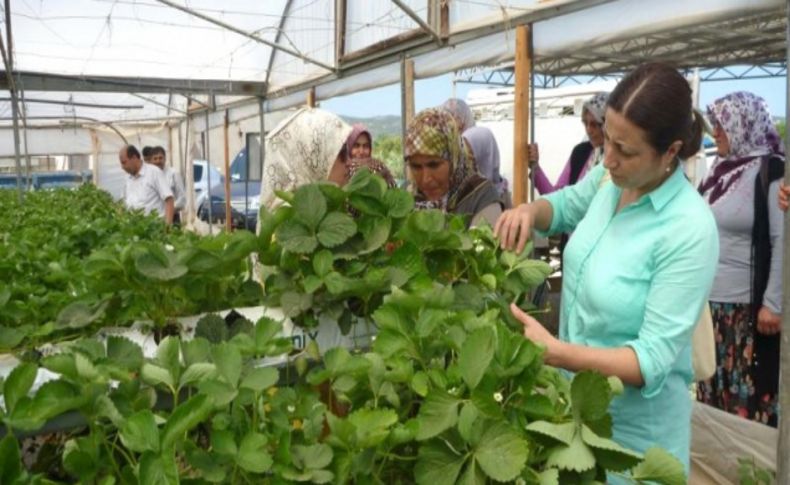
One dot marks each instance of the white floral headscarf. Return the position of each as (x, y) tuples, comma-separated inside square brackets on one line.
[(301, 150), (596, 106)]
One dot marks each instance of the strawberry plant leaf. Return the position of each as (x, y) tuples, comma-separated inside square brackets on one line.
[(139, 432), (502, 452), (590, 396), (576, 456), (253, 455), (260, 379), (438, 412), (125, 353), (659, 467), (476, 354), (18, 384), (295, 237), (322, 262), (10, 459), (608, 453), (185, 417), (335, 229), (437, 464), (309, 205)]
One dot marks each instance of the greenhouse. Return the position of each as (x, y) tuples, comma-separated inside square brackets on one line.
[(287, 311)]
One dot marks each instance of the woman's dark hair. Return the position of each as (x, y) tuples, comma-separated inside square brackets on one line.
[(657, 99)]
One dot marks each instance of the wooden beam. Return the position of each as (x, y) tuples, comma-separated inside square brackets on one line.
[(406, 99), (418, 20), (311, 98), (521, 111)]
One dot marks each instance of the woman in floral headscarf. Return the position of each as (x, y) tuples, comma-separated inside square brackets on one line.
[(584, 156), (442, 170), (305, 148), (746, 300)]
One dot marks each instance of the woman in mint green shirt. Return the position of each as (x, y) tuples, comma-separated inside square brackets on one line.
[(640, 263)]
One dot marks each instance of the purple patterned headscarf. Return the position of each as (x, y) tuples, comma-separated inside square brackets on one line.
[(357, 130), (747, 122)]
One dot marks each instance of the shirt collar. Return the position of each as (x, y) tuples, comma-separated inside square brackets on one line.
[(665, 192), (140, 172)]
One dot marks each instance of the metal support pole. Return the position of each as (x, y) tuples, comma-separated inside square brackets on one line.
[(783, 444), (246, 34), (261, 113), (208, 177), (8, 60), (28, 164), (228, 220)]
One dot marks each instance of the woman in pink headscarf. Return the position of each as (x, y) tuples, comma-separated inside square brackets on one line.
[(358, 148)]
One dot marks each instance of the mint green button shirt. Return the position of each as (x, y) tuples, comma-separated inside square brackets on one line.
[(638, 278)]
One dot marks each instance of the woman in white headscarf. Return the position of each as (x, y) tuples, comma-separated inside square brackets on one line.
[(305, 148), (584, 156)]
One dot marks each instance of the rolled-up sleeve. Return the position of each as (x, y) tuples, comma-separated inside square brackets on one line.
[(570, 204), (684, 269)]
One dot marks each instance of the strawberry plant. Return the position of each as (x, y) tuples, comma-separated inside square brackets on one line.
[(450, 391)]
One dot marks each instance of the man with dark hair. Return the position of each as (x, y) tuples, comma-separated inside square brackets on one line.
[(148, 152), (173, 179), (146, 187)]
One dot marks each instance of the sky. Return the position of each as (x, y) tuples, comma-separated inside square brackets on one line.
[(434, 91)]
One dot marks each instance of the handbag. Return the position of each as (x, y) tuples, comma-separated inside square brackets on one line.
[(703, 346)]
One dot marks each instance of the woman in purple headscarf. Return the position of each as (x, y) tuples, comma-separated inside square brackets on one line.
[(746, 300), (485, 151)]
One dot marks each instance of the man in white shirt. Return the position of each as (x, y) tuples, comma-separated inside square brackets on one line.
[(173, 179), (146, 187)]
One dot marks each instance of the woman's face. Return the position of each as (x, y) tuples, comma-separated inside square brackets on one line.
[(361, 147), (632, 162), (593, 128), (431, 174), (722, 142), (338, 174)]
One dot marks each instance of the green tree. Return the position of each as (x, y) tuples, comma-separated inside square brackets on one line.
[(389, 149), (781, 127)]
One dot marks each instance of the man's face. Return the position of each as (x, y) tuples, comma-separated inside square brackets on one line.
[(158, 159), (130, 165)]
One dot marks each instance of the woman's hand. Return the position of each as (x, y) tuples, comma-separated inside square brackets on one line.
[(514, 227), (768, 322), (784, 196), (534, 331), (534, 154)]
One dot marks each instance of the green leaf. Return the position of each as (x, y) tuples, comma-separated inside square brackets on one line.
[(18, 384), (168, 355), (213, 328), (616, 385), (160, 265), (78, 315), (419, 383), (315, 456), (260, 379), (322, 262), (125, 353), (372, 425), (185, 417), (502, 452), (10, 337), (590, 396), (220, 393), (659, 467), (438, 412), (197, 372), (376, 232), (154, 375), (253, 455), (538, 406), (561, 432), (429, 221), (157, 470), (472, 475), (196, 350), (294, 303), (309, 205), (577, 456), (10, 459), (550, 477), (437, 464), (208, 464), (139, 432), (295, 237), (476, 354), (399, 203), (466, 420), (609, 454), (335, 229), (222, 442), (227, 358), (62, 363)]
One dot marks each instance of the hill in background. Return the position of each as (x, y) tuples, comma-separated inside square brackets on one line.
[(388, 125)]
